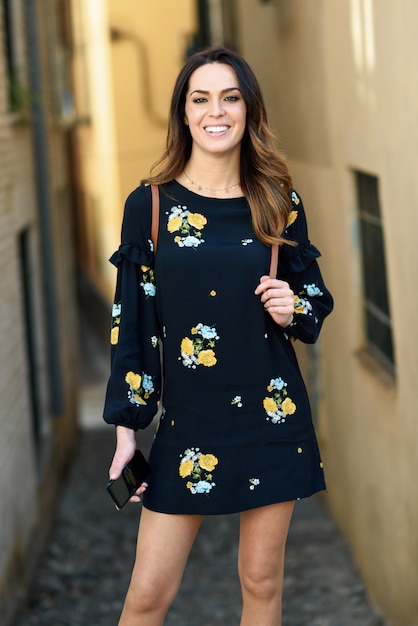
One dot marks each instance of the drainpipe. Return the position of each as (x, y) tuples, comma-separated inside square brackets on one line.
[(42, 179)]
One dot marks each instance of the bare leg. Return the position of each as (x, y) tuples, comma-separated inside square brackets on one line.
[(164, 543), (263, 537)]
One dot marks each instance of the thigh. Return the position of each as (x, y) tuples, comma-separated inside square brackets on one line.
[(164, 543), (263, 534)]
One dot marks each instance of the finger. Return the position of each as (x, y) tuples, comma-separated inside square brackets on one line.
[(141, 489)]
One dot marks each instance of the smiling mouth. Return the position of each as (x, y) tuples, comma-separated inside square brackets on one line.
[(213, 130)]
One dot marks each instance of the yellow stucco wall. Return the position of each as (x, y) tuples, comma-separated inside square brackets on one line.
[(128, 54), (342, 89)]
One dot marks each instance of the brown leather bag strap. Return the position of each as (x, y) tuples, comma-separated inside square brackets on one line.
[(155, 216), (274, 263)]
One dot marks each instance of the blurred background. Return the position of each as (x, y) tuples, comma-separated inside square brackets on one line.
[(84, 95)]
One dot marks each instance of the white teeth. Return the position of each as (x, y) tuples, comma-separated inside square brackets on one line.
[(216, 129)]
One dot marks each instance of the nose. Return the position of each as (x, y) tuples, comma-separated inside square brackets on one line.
[(216, 109)]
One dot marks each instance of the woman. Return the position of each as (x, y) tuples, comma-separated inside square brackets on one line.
[(236, 433)]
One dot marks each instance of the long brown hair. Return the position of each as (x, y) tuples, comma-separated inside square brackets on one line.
[(264, 176)]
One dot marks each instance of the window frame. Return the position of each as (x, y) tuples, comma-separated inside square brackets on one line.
[(377, 319)]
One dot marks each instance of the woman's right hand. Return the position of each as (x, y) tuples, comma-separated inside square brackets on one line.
[(125, 449)]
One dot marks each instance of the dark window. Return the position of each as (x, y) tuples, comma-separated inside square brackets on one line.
[(378, 325), (28, 306)]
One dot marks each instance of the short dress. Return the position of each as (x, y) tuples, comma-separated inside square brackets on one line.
[(235, 431)]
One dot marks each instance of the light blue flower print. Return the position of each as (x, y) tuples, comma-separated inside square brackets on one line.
[(277, 383), (313, 290), (147, 383), (154, 341), (254, 482), (295, 198), (202, 487), (149, 289), (190, 242), (116, 309), (148, 281), (207, 332), (245, 242)]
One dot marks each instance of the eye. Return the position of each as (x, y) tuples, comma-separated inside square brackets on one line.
[(199, 100), (232, 98)]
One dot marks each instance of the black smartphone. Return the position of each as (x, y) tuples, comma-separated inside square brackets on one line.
[(133, 474)]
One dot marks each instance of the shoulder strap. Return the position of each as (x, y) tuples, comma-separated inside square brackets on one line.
[(155, 216), (274, 261), (155, 219)]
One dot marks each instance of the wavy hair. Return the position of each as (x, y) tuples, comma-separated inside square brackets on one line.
[(264, 176)]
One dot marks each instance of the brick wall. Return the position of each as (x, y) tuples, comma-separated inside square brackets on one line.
[(31, 466)]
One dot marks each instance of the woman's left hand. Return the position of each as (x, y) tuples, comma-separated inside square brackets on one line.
[(278, 299)]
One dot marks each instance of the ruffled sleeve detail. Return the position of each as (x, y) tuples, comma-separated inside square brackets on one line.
[(298, 259), (133, 253), (133, 389), (299, 267)]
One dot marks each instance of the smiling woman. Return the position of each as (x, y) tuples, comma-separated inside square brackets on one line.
[(236, 432)]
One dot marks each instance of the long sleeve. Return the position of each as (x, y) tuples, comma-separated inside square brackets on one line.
[(299, 267), (133, 389)]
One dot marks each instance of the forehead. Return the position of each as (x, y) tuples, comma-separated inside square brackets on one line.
[(213, 77)]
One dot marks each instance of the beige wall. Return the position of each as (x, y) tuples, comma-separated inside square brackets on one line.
[(342, 87), (129, 79)]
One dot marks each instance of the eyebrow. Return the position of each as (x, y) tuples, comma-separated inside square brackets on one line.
[(203, 91)]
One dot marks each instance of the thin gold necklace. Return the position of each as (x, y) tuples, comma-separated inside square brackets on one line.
[(189, 181)]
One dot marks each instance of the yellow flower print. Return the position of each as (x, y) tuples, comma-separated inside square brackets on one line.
[(269, 405), (302, 306), (186, 468), (187, 346), (140, 387), (174, 223), (186, 225), (213, 293), (197, 220), (198, 468), (280, 406), (114, 335), (208, 462), (133, 380), (144, 268), (199, 350), (207, 358), (288, 407), (292, 217)]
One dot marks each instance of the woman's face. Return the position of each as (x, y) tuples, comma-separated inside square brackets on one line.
[(215, 109)]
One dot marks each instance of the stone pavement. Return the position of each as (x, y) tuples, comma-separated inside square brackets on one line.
[(85, 572)]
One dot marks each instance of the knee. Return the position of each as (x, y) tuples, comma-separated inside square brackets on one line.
[(146, 596), (260, 582)]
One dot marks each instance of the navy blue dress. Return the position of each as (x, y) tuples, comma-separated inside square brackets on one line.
[(236, 430)]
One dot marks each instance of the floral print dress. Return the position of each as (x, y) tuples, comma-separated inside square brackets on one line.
[(235, 431)]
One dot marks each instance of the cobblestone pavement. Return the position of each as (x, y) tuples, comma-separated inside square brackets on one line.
[(84, 575)]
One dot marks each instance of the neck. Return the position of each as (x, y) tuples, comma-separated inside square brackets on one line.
[(212, 175)]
